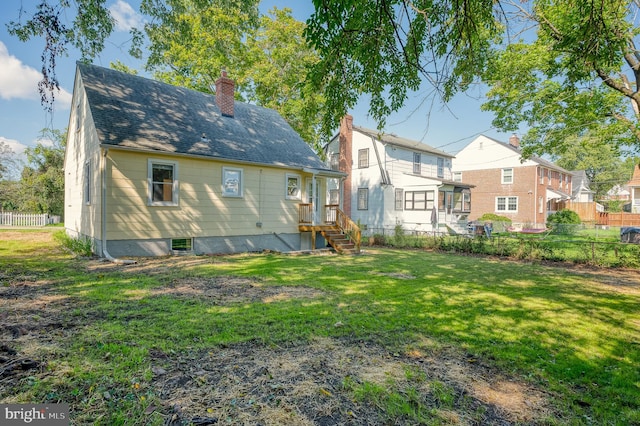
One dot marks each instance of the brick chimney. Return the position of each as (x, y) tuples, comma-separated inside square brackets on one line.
[(514, 140), (346, 160), (224, 94)]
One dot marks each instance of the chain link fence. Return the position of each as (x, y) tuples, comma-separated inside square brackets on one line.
[(593, 245)]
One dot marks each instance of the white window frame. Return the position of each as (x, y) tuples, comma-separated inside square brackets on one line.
[(417, 163), (227, 187), (334, 196), (426, 199), (364, 200), (87, 183), (440, 171), (507, 178), (457, 176), (507, 203), (334, 161), (293, 193), (78, 118), (399, 199), (175, 185), (363, 158)]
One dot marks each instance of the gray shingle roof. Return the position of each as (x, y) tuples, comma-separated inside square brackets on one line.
[(392, 139), (138, 113)]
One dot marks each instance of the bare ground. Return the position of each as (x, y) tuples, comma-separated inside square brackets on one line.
[(306, 384)]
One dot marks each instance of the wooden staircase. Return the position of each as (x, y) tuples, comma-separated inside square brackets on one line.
[(337, 228), (340, 241)]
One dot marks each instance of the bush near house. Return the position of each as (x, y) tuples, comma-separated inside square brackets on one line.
[(492, 217), (563, 222), (594, 247)]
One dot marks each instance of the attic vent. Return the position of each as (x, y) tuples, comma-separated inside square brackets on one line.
[(204, 138)]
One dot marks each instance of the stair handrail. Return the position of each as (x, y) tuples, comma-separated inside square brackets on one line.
[(349, 228)]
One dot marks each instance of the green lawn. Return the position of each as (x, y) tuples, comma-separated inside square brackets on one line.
[(574, 334)]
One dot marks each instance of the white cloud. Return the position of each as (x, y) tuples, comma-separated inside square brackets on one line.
[(17, 81), (15, 146), (126, 17), (20, 81)]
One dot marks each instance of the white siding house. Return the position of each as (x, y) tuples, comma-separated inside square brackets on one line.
[(395, 181)]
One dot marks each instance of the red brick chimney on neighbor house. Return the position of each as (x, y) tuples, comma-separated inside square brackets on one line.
[(224, 94), (346, 160), (514, 140)]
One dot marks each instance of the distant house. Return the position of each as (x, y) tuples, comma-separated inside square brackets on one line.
[(393, 181), (618, 193), (581, 193), (526, 191), (634, 189), (153, 169)]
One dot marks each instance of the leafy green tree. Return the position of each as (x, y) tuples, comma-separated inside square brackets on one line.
[(119, 66), (7, 160), (278, 59), (87, 32), (388, 48), (190, 41), (42, 180), (9, 195), (601, 162), (578, 76), (267, 57)]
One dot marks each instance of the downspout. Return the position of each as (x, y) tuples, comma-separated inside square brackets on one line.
[(314, 196), (105, 253), (535, 194), (383, 173)]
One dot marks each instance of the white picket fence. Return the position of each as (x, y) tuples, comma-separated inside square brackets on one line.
[(27, 219)]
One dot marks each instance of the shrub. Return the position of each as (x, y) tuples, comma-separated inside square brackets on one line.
[(80, 246), (492, 217), (564, 221)]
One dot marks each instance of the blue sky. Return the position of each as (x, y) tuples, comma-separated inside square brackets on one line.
[(22, 117)]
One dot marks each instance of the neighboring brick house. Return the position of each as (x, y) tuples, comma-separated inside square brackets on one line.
[(395, 181), (526, 191)]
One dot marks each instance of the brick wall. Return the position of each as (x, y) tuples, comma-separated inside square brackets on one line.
[(346, 159), (525, 186)]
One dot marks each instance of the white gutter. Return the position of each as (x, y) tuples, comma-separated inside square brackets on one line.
[(105, 253)]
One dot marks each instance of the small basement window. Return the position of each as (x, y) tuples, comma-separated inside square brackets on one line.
[(181, 244)]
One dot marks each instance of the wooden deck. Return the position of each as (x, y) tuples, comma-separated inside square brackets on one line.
[(337, 228)]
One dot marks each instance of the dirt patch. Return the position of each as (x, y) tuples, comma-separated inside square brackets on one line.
[(325, 382), (150, 265), (226, 290)]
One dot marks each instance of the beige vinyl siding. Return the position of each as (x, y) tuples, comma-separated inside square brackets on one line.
[(202, 211), (81, 218)]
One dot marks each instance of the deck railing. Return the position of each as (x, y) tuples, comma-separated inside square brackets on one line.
[(332, 216), (349, 227), (305, 213)]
